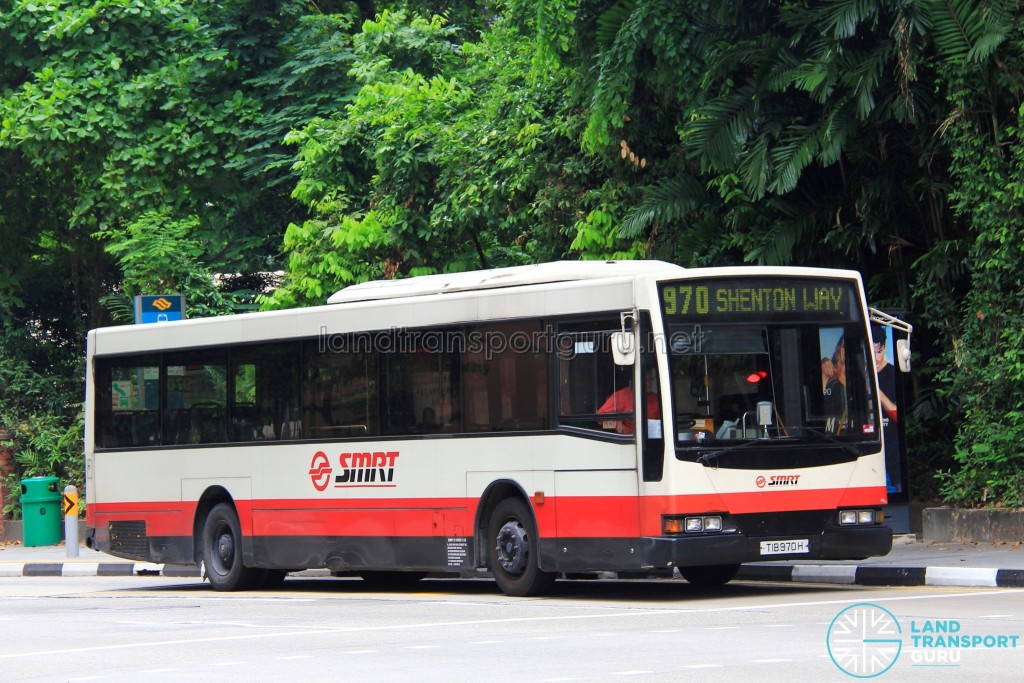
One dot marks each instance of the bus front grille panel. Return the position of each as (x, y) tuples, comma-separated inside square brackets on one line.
[(128, 537), (803, 522)]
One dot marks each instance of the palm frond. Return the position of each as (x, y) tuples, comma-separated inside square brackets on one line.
[(842, 19), (795, 151), (755, 169), (670, 200), (611, 22), (722, 126), (839, 124), (967, 30)]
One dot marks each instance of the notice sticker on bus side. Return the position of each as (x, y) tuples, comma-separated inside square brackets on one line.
[(785, 547)]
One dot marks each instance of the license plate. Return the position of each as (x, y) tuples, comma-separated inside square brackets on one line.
[(785, 547)]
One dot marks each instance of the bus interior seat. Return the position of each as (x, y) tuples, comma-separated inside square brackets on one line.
[(178, 426)]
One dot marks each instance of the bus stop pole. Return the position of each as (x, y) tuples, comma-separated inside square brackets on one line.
[(71, 520)]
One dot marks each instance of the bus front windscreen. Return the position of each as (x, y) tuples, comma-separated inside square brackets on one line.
[(769, 362)]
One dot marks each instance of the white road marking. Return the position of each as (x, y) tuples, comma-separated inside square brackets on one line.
[(633, 614)]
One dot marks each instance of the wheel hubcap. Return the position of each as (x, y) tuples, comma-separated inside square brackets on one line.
[(226, 550), (513, 546)]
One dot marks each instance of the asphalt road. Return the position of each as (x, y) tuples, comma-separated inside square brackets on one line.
[(313, 629)]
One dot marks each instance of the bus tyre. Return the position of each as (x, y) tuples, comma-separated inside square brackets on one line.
[(222, 550), (513, 551), (710, 575)]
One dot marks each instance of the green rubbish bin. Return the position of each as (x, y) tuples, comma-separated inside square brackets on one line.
[(40, 511)]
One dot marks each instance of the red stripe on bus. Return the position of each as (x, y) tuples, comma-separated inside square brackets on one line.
[(162, 519), (756, 502), (568, 516)]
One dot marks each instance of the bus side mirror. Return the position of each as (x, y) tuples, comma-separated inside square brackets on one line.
[(624, 348), (903, 354)]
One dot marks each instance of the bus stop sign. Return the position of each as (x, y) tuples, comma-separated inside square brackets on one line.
[(158, 308)]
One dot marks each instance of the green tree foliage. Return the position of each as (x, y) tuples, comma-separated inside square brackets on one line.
[(450, 156), (113, 109), (983, 69), (194, 147), (40, 426), (987, 361)]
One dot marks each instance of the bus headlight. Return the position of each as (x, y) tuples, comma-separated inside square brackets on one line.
[(860, 517), (697, 524), (694, 524)]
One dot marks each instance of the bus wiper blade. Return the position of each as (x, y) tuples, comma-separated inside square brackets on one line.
[(708, 456), (831, 439)]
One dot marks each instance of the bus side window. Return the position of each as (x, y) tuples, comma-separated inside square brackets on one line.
[(593, 392), (504, 372), (197, 398), (264, 393), (340, 390), (128, 402), (423, 375)]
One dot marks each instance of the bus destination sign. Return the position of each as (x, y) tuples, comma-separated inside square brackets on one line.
[(738, 300)]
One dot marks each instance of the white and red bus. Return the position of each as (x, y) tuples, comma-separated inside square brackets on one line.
[(486, 422)]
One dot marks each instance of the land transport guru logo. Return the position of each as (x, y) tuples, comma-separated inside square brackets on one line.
[(371, 469), (865, 641)]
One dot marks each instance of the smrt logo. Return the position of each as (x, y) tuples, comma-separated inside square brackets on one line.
[(777, 480), (374, 469), (320, 471)]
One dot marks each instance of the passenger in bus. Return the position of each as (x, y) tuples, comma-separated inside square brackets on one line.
[(429, 422), (621, 401)]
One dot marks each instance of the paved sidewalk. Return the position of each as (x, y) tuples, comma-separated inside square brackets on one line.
[(911, 563), (52, 560)]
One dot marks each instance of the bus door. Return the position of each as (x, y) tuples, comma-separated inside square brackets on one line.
[(597, 481)]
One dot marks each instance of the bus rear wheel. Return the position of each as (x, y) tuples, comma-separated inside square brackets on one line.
[(513, 551), (222, 550), (711, 575)]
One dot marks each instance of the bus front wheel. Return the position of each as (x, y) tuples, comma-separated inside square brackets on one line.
[(222, 550), (513, 551)]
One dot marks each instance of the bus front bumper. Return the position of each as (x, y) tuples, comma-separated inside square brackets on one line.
[(855, 543)]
